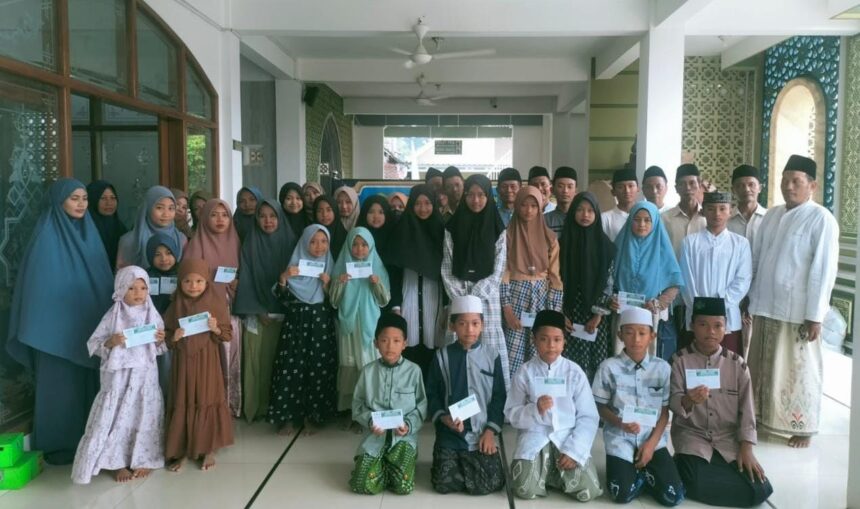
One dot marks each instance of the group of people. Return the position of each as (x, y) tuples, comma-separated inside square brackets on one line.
[(528, 311)]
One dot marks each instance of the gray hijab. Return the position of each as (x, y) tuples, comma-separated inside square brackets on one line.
[(309, 289)]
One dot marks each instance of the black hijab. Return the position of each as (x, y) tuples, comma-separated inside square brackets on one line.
[(110, 227), (382, 236), (418, 242), (298, 221), (586, 255), (336, 230), (474, 235)]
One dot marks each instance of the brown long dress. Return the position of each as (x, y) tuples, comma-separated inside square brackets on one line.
[(198, 417)]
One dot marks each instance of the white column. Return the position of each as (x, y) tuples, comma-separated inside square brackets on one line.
[(854, 435), (661, 102), (570, 143), (230, 118), (368, 143), (290, 131)]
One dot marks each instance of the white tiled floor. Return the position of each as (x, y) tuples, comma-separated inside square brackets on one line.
[(314, 473)]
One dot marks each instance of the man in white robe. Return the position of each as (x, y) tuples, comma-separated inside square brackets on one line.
[(796, 251), (716, 263)]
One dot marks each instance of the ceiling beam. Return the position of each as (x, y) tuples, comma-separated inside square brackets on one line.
[(755, 17), (676, 12), (503, 70), (571, 96), (616, 57), (268, 56), (747, 47), (444, 17), (404, 106)]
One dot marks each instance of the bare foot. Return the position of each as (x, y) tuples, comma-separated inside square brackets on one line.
[(310, 428), (208, 462), (346, 422), (176, 466), (122, 475), (287, 430), (799, 442), (141, 473)]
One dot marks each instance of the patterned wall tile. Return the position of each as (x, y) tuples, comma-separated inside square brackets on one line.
[(849, 179)]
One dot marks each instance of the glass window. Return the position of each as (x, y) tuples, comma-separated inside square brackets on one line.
[(157, 63), (97, 41), (27, 31), (117, 115), (199, 153), (82, 156), (198, 101), (130, 163)]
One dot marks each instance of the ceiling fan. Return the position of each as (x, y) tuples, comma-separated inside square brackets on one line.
[(424, 100), (420, 56)]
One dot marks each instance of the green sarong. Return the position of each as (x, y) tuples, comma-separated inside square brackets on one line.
[(394, 470)]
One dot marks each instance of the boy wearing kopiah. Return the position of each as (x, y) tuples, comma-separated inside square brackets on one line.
[(389, 400), (553, 410), (466, 394), (632, 395), (713, 428)]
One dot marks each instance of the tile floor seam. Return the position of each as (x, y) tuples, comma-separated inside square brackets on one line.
[(274, 468)]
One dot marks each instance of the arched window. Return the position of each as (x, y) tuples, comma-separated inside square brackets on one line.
[(330, 148), (797, 127)]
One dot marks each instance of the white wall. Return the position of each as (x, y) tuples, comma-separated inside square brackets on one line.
[(367, 144), (530, 148)]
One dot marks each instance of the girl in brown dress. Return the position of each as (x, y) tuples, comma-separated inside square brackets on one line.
[(198, 418)]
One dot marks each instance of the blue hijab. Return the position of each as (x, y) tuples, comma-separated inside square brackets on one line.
[(645, 265), (309, 289), (132, 245), (358, 303), (64, 285)]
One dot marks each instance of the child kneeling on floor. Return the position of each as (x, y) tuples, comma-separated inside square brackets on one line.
[(467, 373), (389, 400), (552, 407), (632, 395)]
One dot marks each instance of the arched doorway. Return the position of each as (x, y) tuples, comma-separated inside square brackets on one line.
[(798, 126), (330, 160)]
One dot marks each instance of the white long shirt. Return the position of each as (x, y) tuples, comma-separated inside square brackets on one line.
[(573, 431), (738, 223), (716, 266), (613, 221), (679, 225), (794, 263)]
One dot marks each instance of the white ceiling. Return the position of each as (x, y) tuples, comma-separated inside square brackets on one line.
[(544, 48)]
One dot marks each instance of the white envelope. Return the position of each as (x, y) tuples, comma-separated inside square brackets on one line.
[(311, 268), (580, 332), (465, 408), (710, 378), (359, 270), (154, 286), (388, 419), (527, 319), (167, 285), (644, 416), (630, 300), (195, 324), (550, 386), (142, 335), (252, 324), (226, 274)]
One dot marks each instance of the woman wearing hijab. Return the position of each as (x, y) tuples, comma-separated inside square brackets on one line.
[(103, 204), (325, 214), (304, 386), (417, 252), (586, 266), (163, 263), (156, 214), (310, 192), (474, 257), (264, 256), (531, 282), (245, 217), (397, 201), (182, 207), (198, 200), (217, 242), (645, 265), (63, 289), (359, 302), (376, 215), (290, 198), (347, 206)]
